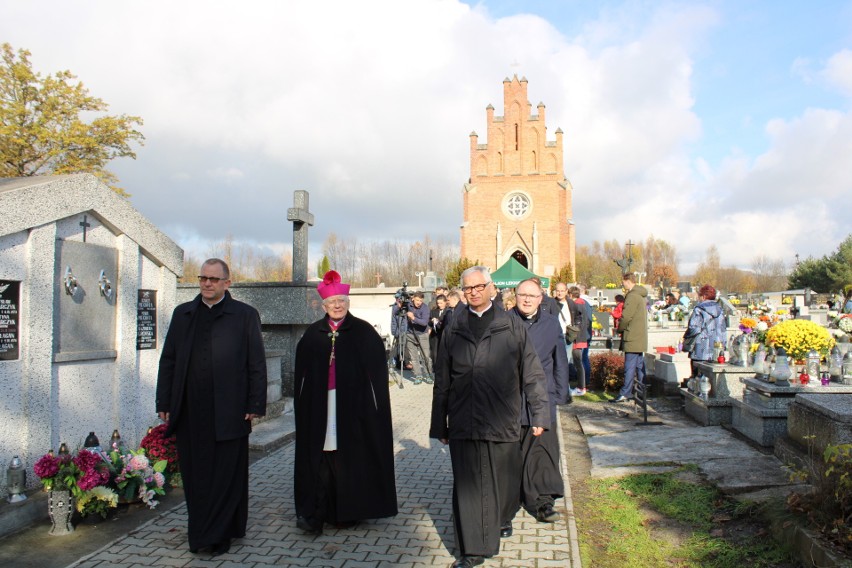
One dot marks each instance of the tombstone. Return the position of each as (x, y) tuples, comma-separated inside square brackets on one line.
[(87, 287)]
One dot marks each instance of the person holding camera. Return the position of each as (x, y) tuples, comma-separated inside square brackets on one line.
[(417, 339)]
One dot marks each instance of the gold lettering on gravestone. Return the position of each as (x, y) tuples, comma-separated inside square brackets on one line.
[(146, 320), (10, 300)]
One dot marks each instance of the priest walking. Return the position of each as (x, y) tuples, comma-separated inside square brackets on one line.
[(485, 361), (211, 384), (344, 469)]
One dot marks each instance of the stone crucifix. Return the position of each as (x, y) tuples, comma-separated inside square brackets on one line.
[(302, 219)]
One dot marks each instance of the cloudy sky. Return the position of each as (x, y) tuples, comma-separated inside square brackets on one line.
[(725, 121)]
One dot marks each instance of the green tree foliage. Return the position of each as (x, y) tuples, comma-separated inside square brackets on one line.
[(323, 266), (41, 128), (454, 273), (564, 275), (827, 274)]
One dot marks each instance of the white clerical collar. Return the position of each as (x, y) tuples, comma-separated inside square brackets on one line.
[(335, 323), (211, 305), (532, 315), (479, 314)]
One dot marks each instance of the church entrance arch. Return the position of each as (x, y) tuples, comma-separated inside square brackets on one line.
[(521, 258)]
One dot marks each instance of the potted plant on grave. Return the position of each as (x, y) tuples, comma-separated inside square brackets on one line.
[(136, 478), (158, 447), (68, 478), (798, 337), (97, 501)]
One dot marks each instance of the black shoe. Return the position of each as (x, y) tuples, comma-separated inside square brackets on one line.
[(619, 398), (506, 530), (221, 547), (546, 514), (468, 561), (309, 525)]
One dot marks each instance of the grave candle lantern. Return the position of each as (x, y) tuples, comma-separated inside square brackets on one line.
[(760, 362), (781, 372), (813, 363), (16, 480), (115, 441), (835, 364)]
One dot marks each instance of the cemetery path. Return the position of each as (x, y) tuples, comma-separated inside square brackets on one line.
[(420, 535)]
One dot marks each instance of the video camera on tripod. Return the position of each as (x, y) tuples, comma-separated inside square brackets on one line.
[(404, 295)]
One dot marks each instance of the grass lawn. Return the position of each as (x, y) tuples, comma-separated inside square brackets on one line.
[(670, 519)]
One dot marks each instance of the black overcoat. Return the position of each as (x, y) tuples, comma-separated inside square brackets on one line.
[(478, 384), (546, 335), (239, 366), (366, 487)]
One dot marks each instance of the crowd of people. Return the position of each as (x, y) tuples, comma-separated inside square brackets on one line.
[(499, 365)]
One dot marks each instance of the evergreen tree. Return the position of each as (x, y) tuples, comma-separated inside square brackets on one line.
[(454, 274)]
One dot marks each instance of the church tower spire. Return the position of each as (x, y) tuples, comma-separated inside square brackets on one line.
[(518, 202)]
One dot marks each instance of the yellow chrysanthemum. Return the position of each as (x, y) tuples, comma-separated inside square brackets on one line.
[(798, 337)]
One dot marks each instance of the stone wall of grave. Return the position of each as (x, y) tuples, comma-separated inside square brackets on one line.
[(56, 388), (50, 397)]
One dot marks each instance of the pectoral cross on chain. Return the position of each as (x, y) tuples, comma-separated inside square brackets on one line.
[(333, 335)]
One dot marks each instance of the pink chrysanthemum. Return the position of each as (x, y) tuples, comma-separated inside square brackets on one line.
[(87, 461), (138, 463), (46, 466), (89, 481)]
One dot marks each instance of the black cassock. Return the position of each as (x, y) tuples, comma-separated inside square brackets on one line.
[(364, 484), (213, 373)]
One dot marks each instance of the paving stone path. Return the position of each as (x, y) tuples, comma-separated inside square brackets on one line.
[(420, 535)]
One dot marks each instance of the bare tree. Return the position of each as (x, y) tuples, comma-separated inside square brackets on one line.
[(770, 274)]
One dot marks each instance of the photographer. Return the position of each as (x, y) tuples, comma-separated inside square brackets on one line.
[(417, 339)]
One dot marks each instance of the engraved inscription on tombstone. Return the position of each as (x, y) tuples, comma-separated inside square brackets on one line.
[(10, 300), (146, 320)]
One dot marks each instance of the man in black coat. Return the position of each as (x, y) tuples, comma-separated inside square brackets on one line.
[(211, 385), (541, 483), (344, 470), (485, 361)]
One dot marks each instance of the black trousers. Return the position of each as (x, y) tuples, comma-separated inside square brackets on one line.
[(486, 487)]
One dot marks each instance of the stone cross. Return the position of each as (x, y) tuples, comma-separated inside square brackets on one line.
[(302, 219)]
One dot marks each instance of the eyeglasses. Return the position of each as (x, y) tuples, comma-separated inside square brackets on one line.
[(211, 279), (477, 287), (337, 302), (527, 296)]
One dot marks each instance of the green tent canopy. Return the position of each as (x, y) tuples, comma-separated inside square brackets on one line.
[(512, 273)]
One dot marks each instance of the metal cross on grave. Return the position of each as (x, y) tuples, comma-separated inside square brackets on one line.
[(302, 219)]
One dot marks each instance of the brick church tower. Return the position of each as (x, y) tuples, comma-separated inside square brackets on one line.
[(517, 202)]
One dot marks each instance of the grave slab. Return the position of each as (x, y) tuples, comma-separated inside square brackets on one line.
[(733, 466), (820, 420)]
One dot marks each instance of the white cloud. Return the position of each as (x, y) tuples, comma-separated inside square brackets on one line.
[(226, 174), (368, 105), (838, 71)]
